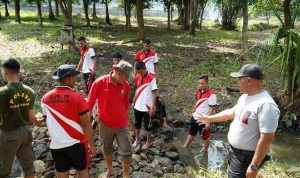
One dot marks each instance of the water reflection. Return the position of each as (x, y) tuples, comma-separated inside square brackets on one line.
[(283, 149)]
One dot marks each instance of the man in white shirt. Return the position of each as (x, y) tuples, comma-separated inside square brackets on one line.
[(255, 119), (88, 63)]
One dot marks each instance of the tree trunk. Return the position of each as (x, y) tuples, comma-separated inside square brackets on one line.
[(140, 19), (287, 14), (193, 17), (39, 12), (56, 8), (127, 10), (107, 19), (245, 24), (51, 14), (17, 11), (169, 15), (66, 9), (86, 12), (6, 9), (94, 15), (186, 17)]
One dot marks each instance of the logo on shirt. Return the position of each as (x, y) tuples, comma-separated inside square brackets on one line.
[(122, 92), (245, 117)]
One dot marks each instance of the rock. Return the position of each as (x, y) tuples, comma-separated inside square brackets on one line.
[(172, 175), (147, 168), (49, 157), (150, 158), (154, 151), (138, 148), (136, 158), (169, 169), (136, 168), (143, 156), (114, 164), (178, 169), (101, 167), (163, 161), (158, 173), (142, 163), (141, 175), (172, 155), (39, 166)]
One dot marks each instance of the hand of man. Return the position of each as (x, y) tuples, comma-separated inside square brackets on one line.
[(92, 151), (250, 173), (203, 119), (207, 126), (152, 111)]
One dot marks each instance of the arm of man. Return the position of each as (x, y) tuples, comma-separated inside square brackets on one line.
[(93, 72), (79, 64), (152, 110), (87, 130), (156, 70), (225, 115), (261, 151), (33, 119), (210, 112)]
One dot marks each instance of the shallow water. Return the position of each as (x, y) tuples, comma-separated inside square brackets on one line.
[(285, 148)]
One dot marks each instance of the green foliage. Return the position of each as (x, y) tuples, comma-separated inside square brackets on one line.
[(287, 41)]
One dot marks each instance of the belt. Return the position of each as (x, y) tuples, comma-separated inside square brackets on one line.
[(244, 152)]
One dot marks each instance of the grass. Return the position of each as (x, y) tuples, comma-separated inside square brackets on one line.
[(182, 57)]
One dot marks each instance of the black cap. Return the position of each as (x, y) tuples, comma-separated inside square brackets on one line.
[(147, 41), (140, 65), (249, 70), (117, 55), (65, 70)]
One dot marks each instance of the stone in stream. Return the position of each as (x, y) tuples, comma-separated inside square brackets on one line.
[(141, 175), (178, 169), (172, 155)]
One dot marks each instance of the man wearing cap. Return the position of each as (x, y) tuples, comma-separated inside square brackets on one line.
[(144, 102), (255, 119), (149, 57), (68, 124), (88, 63), (16, 104), (112, 93)]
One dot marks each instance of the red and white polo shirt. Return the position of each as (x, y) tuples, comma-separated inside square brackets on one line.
[(148, 58), (63, 108), (87, 54), (143, 97), (113, 101), (205, 99)]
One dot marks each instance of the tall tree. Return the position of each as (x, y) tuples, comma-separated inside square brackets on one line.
[(39, 12), (229, 10), (193, 17), (94, 14), (245, 24), (17, 11), (186, 15), (66, 9), (128, 5), (200, 11), (86, 12), (51, 14), (56, 8), (107, 19), (6, 2), (140, 19), (168, 7)]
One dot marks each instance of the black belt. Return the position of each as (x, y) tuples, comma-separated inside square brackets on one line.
[(244, 152)]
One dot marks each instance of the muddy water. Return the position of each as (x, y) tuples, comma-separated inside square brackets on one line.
[(285, 148)]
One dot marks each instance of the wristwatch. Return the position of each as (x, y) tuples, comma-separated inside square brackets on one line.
[(254, 167)]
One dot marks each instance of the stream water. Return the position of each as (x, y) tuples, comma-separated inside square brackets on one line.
[(285, 148)]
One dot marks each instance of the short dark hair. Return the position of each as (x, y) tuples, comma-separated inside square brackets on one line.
[(204, 77), (140, 65), (147, 41), (11, 64), (117, 55), (81, 38)]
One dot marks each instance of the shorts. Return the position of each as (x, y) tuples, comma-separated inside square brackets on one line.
[(73, 156), (17, 143), (139, 116), (107, 137), (194, 128)]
